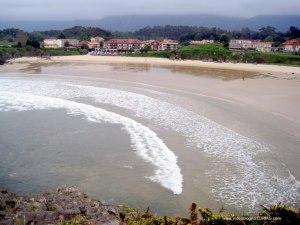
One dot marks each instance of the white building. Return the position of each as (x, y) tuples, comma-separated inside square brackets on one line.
[(96, 42), (168, 45), (244, 44), (123, 45), (60, 43), (202, 42), (292, 45), (53, 43)]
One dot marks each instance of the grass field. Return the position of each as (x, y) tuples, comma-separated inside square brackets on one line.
[(216, 52), (13, 52)]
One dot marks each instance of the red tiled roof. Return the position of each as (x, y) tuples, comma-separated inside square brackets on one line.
[(292, 42), (124, 41)]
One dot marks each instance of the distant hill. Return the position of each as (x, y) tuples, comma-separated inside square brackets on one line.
[(132, 23), (135, 22)]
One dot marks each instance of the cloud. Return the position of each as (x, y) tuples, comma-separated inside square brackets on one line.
[(95, 9)]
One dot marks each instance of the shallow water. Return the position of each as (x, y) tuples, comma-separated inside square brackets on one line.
[(141, 135)]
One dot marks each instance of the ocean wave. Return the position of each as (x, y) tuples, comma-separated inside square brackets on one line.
[(146, 143), (248, 183)]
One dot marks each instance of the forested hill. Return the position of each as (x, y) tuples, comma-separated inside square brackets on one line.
[(181, 33), (136, 22), (78, 32), (133, 23)]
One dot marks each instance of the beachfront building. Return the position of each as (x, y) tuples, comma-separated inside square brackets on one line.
[(60, 43), (153, 44), (71, 42), (262, 46), (96, 42), (245, 44), (240, 44), (202, 42), (168, 44), (123, 45), (292, 45), (53, 43)]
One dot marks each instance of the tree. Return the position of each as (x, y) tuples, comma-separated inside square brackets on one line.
[(67, 44), (267, 31), (294, 32), (225, 40), (84, 45), (269, 39), (61, 36), (34, 43), (147, 48)]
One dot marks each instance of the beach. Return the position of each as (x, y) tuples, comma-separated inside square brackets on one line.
[(168, 62), (171, 132), (276, 88)]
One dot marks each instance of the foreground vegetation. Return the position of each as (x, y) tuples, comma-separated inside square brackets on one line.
[(219, 53), (278, 214), (8, 52), (275, 215)]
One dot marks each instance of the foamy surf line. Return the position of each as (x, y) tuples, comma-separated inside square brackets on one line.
[(146, 143), (250, 181)]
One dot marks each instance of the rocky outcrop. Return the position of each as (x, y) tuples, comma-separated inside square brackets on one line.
[(2, 60), (63, 204)]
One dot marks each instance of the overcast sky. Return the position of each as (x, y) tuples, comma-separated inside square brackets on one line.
[(96, 9)]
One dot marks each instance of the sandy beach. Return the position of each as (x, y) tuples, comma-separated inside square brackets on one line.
[(160, 61), (274, 89)]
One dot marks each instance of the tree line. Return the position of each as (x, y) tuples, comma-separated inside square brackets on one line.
[(180, 33), (188, 33)]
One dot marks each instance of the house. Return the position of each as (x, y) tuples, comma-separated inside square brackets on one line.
[(168, 44), (262, 46), (96, 42), (245, 44), (240, 44), (53, 43), (292, 45), (123, 45), (202, 42), (70, 42), (153, 44), (60, 43)]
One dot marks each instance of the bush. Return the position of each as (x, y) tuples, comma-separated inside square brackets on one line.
[(215, 52)]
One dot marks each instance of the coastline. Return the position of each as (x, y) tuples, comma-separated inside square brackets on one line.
[(261, 68), (277, 86)]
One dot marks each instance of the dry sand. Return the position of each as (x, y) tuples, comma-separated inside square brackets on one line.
[(160, 61)]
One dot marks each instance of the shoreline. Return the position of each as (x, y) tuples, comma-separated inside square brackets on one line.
[(261, 68)]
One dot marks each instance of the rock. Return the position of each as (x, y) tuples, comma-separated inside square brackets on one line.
[(64, 203), (2, 60)]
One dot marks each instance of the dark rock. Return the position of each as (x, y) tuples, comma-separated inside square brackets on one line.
[(11, 203), (2, 60), (50, 208), (82, 210)]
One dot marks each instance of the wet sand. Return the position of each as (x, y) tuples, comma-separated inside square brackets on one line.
[(218, 122), (273, 88)]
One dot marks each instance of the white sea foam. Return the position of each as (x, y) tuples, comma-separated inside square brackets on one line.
[(144, 141), (249, 181)]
